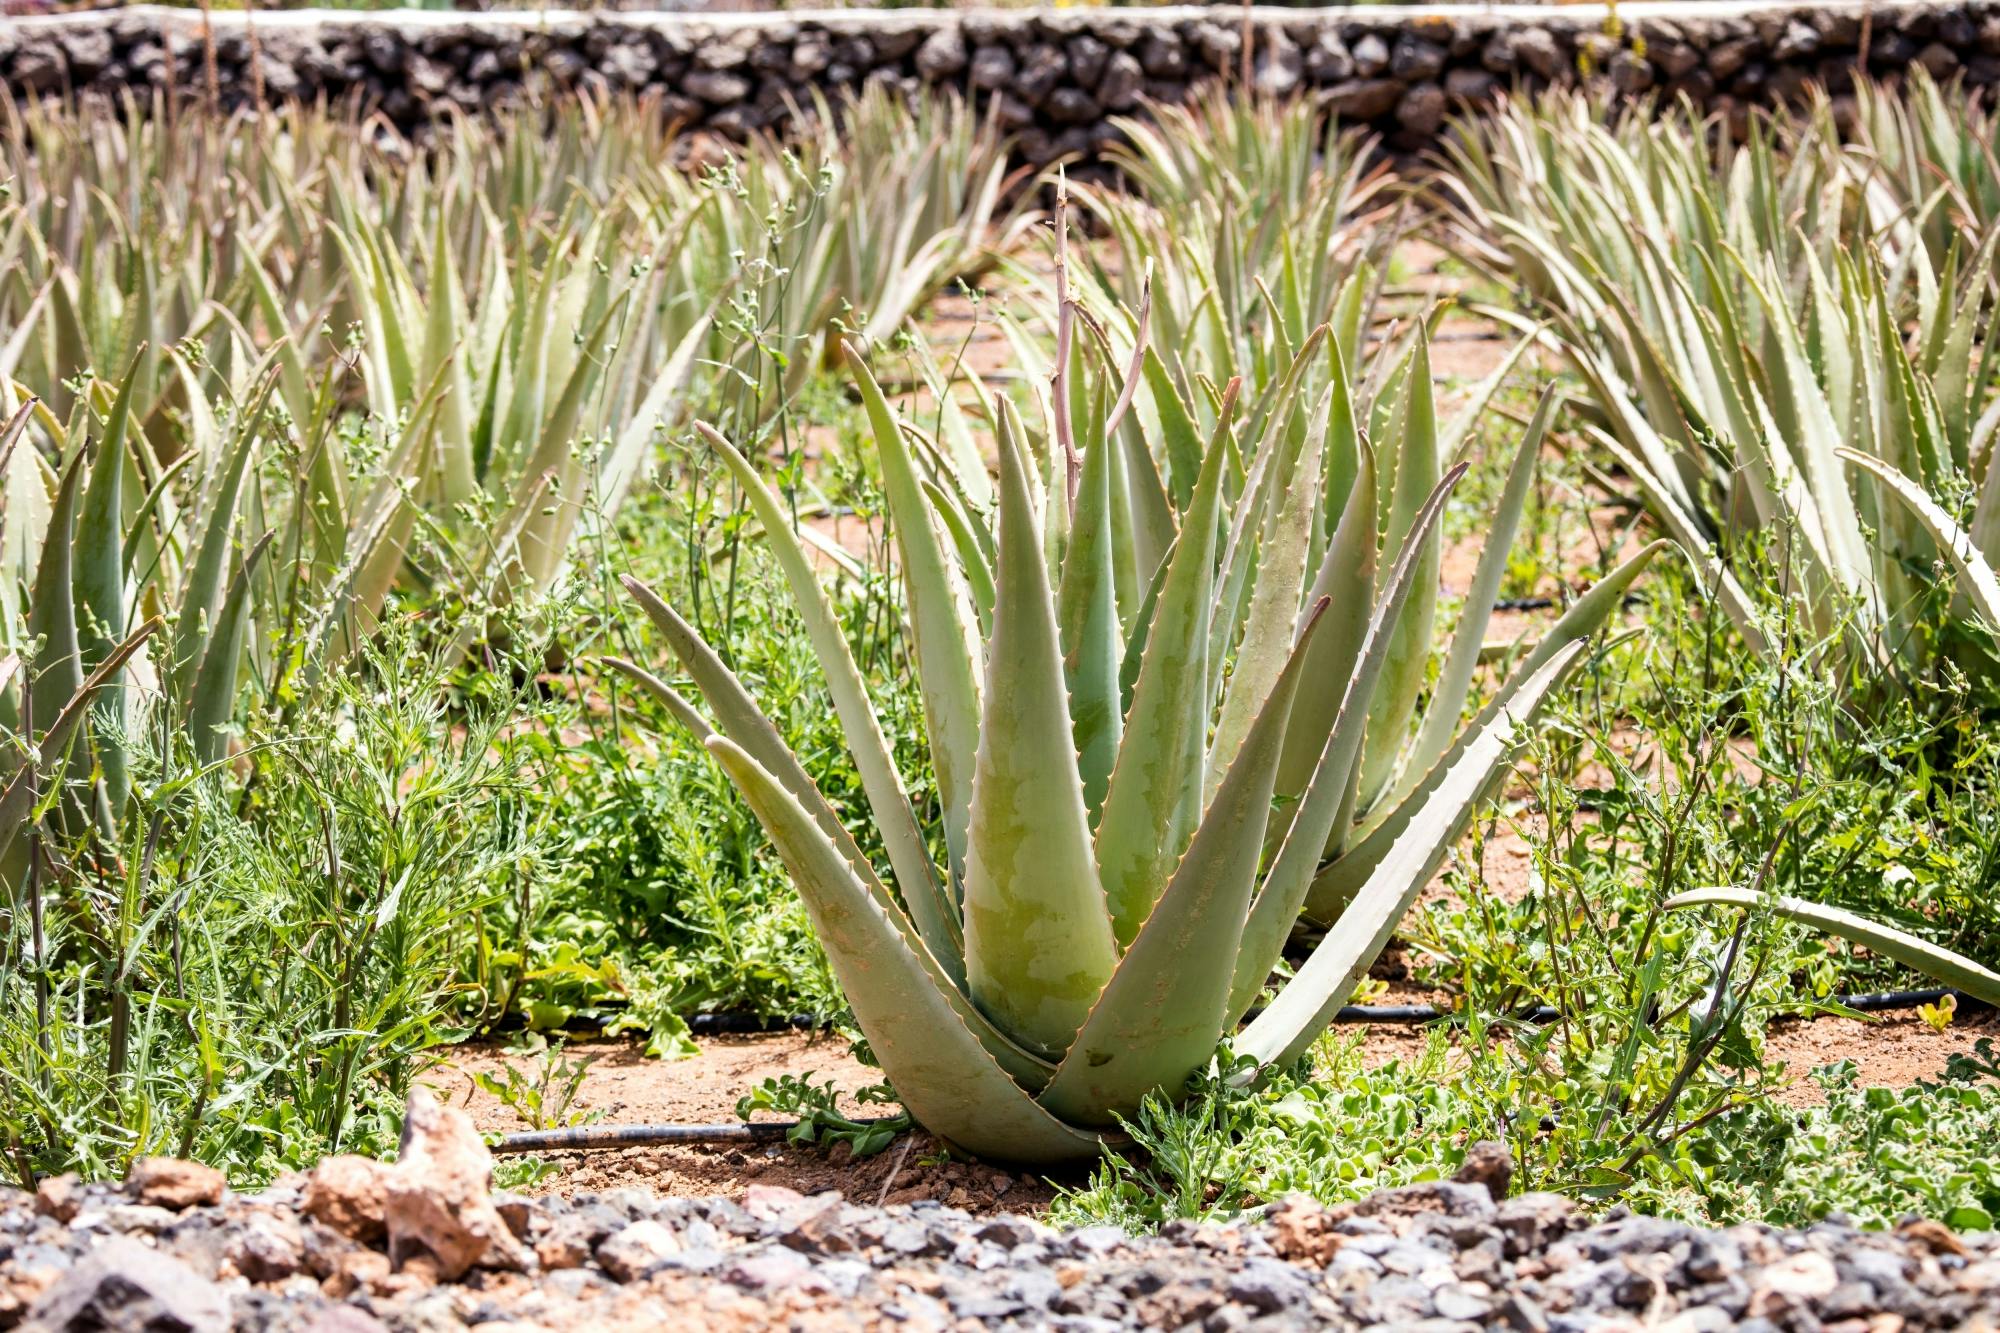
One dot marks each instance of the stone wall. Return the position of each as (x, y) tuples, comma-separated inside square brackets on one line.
[(1054, 75)]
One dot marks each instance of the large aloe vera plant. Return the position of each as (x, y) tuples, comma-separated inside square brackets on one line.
[(1157, 696)]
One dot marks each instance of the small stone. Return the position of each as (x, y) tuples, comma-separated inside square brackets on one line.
[(168, 1182), (992, 68), (1123, 78), (1371, 56), (716, 87), (1363, 99), (637, 1250), (122, 1284), (350, 1195), (1415, 59), (942, 54), (266, 1247), (1487, 1162), (59, 1196), (1805, 1274)]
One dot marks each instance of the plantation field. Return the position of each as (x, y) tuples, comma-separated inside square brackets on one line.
[(475, 614)]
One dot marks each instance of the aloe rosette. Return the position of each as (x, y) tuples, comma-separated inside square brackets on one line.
[(1144, 775)]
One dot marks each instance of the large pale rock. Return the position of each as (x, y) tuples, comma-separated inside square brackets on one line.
[(439, 1198), (168, 1182), (350, 1195)]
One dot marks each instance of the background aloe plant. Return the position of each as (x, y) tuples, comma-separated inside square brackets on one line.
[(1743, 344)]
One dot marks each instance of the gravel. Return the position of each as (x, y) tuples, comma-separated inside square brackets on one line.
[(1442, 1258)]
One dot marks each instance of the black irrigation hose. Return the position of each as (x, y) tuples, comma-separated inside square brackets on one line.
[(773, 1131), (1874, 1003)]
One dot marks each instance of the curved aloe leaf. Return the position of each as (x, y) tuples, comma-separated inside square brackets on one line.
[(1164, 1009), (941, 1071), (1337, 882), (1953, 969), (1154, 798), (1038, 943), (1982, 587), (214, 698), (940, 623), (676, 703), (1309, 1001), (929, 905)]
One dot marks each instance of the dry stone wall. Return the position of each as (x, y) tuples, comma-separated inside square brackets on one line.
[(1055, 77)]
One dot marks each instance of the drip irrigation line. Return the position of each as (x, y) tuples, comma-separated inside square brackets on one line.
[(773, 1131), (1870, 1003), (639, 1136)]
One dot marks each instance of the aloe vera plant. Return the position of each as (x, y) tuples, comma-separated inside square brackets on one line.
[(1744, 352), (1159, 730)]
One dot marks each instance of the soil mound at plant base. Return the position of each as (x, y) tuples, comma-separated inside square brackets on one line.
[(359, 1246)]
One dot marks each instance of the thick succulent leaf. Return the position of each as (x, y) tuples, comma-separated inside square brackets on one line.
[(1087, 616), (941, 622), (207, 580), (941, 1071), (1328, 802), (1981, 586), (1447, 702), (1413, 443), (1337, 882), (1346, 578), (973, 559), (1038, 942), (58, 666), (929, 903), (675, 702), (214, 698), (1271, 628), (1155, 795), (1301, 1011), (17, 798), (745, 726), (1935, 961), (1163, 1011)]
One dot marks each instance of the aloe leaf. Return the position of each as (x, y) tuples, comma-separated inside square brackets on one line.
[(675, 702), (1357, 858), (1038, 942), (1413, 444), (929, 904), (206, 580), (214, 696), (973, 560), (1154, 798), (58, 666), (1447, 702), (98, 586), (1087, 618), (941, 1071), (1981, 586), (745, 726), (1953, 969), (1301, 1011), (941, 624), (1271, 628), (17, 798), (1164, 1008)]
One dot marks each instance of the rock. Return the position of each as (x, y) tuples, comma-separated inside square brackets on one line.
[(1371, 56), (1162, 56), (40, 67), (350, 1195), (89, 51), (1806, 1274), (1422, 109), (1278, 65), (1530, 1222), (1042, 67), (59, 1196), (1363, 99), (942, 54), (266, 1247), (122, 1284), (1415, 59), (168, 1182), (716, 87), (637, 1250), (1086, 58), (992, 68), (1122, 81), (437, 1203), (1487, 1162)]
